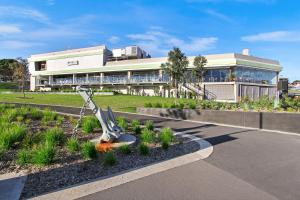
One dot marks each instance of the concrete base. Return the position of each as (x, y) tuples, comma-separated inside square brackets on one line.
[(123, 139), (11, 185)]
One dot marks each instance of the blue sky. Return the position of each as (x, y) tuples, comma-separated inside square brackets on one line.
[(270, 28)]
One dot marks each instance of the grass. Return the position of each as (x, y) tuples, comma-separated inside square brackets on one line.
[(90, 123), (88, 150), (110, 159), (166, 137), (143, 149), (55, 136), (116, 102), (147, 136), (73, 145), (125, 149), (136, 126), (149, 125), (122, 122), (44, 155)]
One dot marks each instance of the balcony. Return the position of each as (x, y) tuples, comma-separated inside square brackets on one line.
[(97, 80)]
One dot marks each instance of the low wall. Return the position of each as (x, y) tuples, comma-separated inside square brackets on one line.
[(289, 122)]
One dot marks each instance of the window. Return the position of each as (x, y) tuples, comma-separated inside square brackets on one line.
[(40, 66)]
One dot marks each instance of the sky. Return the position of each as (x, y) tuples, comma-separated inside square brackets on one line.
[(269, 28)]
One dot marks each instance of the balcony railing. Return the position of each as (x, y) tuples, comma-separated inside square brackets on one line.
[(111, 80)]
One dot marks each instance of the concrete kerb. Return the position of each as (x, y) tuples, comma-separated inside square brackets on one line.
[(81, 190), (11, 185)]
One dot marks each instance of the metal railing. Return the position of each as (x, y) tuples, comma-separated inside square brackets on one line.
[(111, 80)]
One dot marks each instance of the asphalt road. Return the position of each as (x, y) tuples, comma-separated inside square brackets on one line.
[(245, 164)]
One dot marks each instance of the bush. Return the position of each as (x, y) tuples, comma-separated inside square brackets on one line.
[(148, 105), (110, 159), (60, 120), (44, 154), (24, 157), (143, 149), (157, 105), (55, 136), (10, 135), (136, 126), (149, 125), (20, 119), (166, 137), (192, 105), (88, 150), (125, 149), (49, 115), (36, 114), (147, 136), (122, 122), (90, 123), (73, 145)]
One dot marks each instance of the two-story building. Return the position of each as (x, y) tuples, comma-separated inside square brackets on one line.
[(229, 77)]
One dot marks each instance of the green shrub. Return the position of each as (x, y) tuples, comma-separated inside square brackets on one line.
[(73, 145), (110, 159), (44, 154), (88, 150), (147, 136), (10, 135), (122, 122), (36, 114), (143, 149), (192, 105), (49, 115), (148, 105), (136, 126), (24, 157), (90, 123), (55, 136), (60, 120), (2, 152), (125, 149), (149, 125), (157, 105), (166, 137)]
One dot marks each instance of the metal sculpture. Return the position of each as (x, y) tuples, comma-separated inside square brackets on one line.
[(111, 131)]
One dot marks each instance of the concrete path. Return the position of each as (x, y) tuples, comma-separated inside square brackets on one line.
[(246, 164), (11, 186)]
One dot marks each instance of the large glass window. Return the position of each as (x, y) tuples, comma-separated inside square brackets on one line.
[(216, 75), (244, 74)]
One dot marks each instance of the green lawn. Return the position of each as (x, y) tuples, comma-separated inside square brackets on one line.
[(118, 102)]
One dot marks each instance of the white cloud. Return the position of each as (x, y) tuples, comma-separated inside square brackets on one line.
[(238, 1), (114, 39), (50, 2), (276, 36), (14, 11), (8, 29), (158, 42), (218, 15), (14, 44)]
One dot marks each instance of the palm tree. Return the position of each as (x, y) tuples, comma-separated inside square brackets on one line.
[(199, 70), (175, 67)]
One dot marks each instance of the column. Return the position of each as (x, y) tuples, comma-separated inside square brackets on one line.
[(50, 80), (32, 83), (129, 76), (161, 91), (87, 78), (74, 79), (160, 75), (101, 77)]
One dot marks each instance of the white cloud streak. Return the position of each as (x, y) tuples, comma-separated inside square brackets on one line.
[(218, 15), (276, 36), (9, 28), (15, 44), (114, 39), (159, 43)]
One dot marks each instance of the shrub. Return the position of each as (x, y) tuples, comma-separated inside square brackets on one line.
[(55, 136), (122, 122), (110, 159), (125, 149), (192, 105), (148, 105), (24, 157), (149, 125), (147, 136), (90, 123), (20, 119), (157, 105), (60, 120), (36, 114), (73, 145), (44, 154), (136, 126), (166, 137), (10, 135), (143, 149), (49, 115), (88, 150)]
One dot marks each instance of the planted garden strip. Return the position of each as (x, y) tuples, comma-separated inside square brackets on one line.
[(53, 159)]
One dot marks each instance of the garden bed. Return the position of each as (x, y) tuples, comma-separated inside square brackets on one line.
[(45, 153)]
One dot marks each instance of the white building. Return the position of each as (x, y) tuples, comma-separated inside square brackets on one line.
[(229, 77)]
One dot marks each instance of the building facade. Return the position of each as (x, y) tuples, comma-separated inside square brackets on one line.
[(229, 77)]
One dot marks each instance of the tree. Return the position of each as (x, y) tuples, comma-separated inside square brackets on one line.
[(175, 67), (6, 69), (199, 70), (21, 73)]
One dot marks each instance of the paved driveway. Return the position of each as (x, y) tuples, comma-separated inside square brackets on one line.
[(245, 164)]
